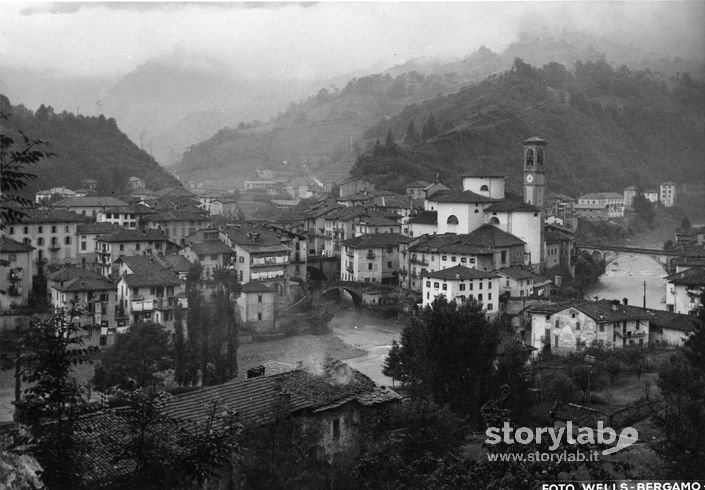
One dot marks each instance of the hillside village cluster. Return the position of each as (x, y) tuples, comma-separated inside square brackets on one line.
[(126, 260)]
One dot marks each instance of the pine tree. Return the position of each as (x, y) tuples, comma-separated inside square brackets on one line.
[(412, 136)]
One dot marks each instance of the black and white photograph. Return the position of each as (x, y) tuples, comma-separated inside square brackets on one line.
[(364, 245)]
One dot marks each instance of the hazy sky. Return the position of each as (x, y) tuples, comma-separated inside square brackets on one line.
[(310, 40)]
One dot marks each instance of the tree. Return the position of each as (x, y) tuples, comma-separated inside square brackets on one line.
[(392, 363), (644, 208), (446, 354), (50, 349), (135, 358), (412, 136), (14, 159), (429, 130)]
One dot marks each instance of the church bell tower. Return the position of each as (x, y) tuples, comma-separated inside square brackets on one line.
[(534, 171)]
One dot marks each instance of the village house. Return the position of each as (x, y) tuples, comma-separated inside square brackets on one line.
[(89, 205), (486, 248), (421, 223), (573, 325), (148, 291), (612, 202), (516, 281), (86, 234), (415, 190), (46, 195), (52, 233), (685, 290), (204, 247), (460, 284), (629, 195), (560, 248), (134, 183), (127, 217), (93, 294), (177, 224), (15, 273), (667, 194), (257, 305), (259, 256), (560, 209), (376, 224), (672, 329), (298, 244), (126, 243), (373, 258)]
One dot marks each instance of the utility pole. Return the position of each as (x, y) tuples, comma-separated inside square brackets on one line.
[(644, 294)]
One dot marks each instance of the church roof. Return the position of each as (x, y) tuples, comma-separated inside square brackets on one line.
[(461, 197)]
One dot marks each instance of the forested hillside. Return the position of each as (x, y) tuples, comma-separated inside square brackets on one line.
[(85, 147), (606, 128)]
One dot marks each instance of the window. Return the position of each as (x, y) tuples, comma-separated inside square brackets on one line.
[(369, 266), (428, 284), (40, 229), (479, 298), (444, 258), (67, 240), (26, 230), (336, 429), (602, 327), (489, 296), (259, 317), (389, 264), (529, 156), (494, 220), (12, 230), (577, 325), (453, 258), (489, 306), (242, 261), (484, 188), (66, 228), (462, 286), (480, 286), (53, 228), (122, 247), (136, 291), (471, 285), (435, 285), (259, 299), (463, 260), (557, 324), (504, 256), (445, 287), (452, 220), (40, 241), (137, 246)]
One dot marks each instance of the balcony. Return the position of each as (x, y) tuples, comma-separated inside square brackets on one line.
[(144, 304), (167, 303), (370, 255)]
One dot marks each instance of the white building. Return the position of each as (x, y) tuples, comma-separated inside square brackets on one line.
[(462, 284), (667, 194), (685, 289), (612, 201)]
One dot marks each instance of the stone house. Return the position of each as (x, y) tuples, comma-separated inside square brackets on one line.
[(462, 284), (257, 305)]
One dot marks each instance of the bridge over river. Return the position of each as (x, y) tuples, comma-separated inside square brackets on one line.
[(609, 253)]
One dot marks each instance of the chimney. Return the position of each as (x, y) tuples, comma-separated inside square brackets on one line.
[(625, 301), (255, 372)]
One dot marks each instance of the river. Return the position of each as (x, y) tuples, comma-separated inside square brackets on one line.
[(625, 277)]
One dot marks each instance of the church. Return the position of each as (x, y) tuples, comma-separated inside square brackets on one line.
[(484, 200)]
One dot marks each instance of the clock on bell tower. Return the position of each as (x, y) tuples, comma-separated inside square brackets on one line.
[(534, 171)]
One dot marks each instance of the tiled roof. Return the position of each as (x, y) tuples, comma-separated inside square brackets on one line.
[(142, 264), (490, 236), (173, 191), (156, 278), (91, 201), (425, 218), (211, 247), (51, 216), (256, 239), (461, 197), (480, 174), (255, 399), (602, 195), (87, 284), (517, 273), (177, 215), (602, 311), (145, 235), (70, 273), (102, 228), (378, 221), (460, 273), (8, 245), (688, 277), (419, 184), (376, 240), (175, 262), (674, 321), (507, 205)]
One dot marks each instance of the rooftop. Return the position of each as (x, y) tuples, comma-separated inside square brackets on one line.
[(102, 228), (41, 216), (91, 201), (461, 197), (517, 273), (460, 273), (376, 240), (8, 245), (602, 311), (210, 247), (424, 218), (689, 277), (123, 235)]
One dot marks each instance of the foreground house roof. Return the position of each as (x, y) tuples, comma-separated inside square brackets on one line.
[(602, 311), (689, 277), (8, 245)]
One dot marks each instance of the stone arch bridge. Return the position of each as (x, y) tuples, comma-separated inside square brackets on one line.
[(358, 290), (608, 253)]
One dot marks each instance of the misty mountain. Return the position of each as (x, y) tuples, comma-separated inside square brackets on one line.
[(607, 128), (323, 133), (85, 147)]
